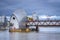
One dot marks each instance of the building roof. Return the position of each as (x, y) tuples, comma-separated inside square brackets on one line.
[(20, 13)]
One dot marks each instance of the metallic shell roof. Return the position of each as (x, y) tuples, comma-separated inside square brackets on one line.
[(20, 14)]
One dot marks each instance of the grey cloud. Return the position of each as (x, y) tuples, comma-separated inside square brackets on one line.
[(42, 7)]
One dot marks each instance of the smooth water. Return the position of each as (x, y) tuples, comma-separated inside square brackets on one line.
[(6, 35)]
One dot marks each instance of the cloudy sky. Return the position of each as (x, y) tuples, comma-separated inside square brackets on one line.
[(41, 7)]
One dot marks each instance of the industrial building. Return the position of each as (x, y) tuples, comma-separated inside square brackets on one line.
[(18, 19), (3, 22)]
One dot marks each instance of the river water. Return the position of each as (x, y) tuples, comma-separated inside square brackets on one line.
[(6, 35)]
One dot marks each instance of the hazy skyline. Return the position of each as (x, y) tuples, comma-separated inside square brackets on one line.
[(41, 7)]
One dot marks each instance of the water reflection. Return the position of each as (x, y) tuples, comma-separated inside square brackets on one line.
[(23, 36), (6, 35), (34, 36)]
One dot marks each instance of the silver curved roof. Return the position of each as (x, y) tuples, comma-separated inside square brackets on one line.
[(20, 14)]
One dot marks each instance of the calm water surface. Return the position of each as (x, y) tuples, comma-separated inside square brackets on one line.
[(6, 35)]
